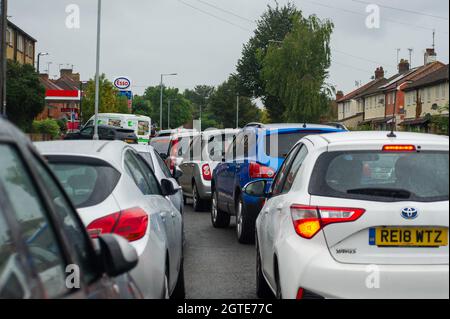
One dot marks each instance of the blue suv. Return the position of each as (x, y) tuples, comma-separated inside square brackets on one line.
[(257, 152)]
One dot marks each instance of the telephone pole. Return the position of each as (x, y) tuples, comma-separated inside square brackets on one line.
[(3, 26)]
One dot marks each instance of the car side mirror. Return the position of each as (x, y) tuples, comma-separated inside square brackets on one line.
[(117, 255), (257, 189), (169, 187)]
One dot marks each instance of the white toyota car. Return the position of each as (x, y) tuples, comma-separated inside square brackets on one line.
[(356, 215)]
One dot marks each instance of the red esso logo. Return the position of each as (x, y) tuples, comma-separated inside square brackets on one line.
[(122, 83)]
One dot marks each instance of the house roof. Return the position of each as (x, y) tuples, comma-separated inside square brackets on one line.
[(10, 24), (49, 84), (374, 85), (415, 74), (67, 83), (438, 76), (358, 91)]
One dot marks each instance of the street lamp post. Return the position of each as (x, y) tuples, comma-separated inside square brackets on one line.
[(168, 113), (39, 61), (97, 72), (237, 110), (161, 98), (3, 26)]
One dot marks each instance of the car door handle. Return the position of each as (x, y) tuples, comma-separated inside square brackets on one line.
[(163, 215), (173, 214), (280, 207)]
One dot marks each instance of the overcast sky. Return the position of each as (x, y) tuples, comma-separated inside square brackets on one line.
[(144, 38)]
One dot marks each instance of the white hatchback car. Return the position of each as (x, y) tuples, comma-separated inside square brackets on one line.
[(356, 215), (115, 191)]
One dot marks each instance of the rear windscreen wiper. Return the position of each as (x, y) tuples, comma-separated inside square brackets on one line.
[(382, 192)]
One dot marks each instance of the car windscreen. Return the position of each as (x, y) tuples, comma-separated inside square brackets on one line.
[(279, 144), (161, 144), (381, 176), (88, 182)]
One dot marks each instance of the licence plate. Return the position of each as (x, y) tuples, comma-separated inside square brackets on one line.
[(408, 237)]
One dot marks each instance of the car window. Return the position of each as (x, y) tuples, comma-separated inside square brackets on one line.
[(163, 166), (13, 279), (161, 144), (231, 149), (295, 167), (148, 158), (30, 213), (88, 182), (279, 144), (150, 176), (382, 176), (72, 226), (135, 168), (278, 183), (88, 131)]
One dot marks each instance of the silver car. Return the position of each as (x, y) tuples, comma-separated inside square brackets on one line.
[(205, 152), (161, 171), (115, 191)]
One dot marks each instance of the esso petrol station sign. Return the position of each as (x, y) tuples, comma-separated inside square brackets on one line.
[(122, 83)]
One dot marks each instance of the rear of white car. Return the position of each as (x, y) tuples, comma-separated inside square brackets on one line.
[(369, 218)]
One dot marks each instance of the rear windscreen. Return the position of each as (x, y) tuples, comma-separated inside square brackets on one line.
[(279, 145), (372, 175), (86, 184), (161, 144)]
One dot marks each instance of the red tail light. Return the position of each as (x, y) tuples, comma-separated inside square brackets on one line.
[(399, 148), (300, 293), (309, 220), (206, 172), (130, 223), (260, 171)]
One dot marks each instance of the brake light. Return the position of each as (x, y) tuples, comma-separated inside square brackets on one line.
[(300, 293), (130, 223), (309, 220), (260, 171), (399, 148), (206, 172)]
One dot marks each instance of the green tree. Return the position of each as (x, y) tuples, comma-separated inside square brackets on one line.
[(296, 70), (180, 110), (222, 106), (141, 106), (48, 126), (274, 25), (199, 97), (25, 95), (109, 101)]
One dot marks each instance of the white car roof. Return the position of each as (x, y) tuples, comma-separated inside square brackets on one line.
[(361, 138), (109, 151)]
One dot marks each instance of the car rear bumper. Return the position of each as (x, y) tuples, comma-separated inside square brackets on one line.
[(204, 189), (313, 268)]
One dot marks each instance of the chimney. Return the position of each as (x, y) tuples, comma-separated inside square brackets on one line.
[(379, 73), (69, 73), (430, 56), (339, 95), (403, 66)]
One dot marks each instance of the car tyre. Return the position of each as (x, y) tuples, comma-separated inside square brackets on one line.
[(179, 292), (197, 203), (219, 218), (263, 290), (245, 225)]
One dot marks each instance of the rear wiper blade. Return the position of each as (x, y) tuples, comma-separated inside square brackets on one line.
[(382, 192)]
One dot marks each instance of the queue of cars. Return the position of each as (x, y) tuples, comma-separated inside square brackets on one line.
[(327, 209)]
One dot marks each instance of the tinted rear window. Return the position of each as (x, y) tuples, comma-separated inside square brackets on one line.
[(87, 184), (285, 142), (379, 176)]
